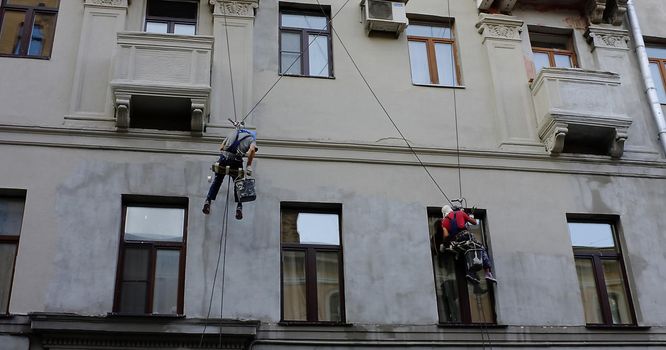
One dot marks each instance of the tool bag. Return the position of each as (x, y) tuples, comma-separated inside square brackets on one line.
[(245, 189), (474, 260)]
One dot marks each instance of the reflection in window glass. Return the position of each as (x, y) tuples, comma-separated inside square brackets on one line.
[(293, 286), (184, 29), (418, 58), (41, 38), (563, 61), (157, 27), (446, 69), (135, 281), (617, 298), (11, 215), (10, 32), (314, 228), (304, 21), (658, 81), (656, 52), (429, 31), (588, 291), (591, 235), (154, 224), (318, 48), (328, 286), (541, 61), (165, 298)]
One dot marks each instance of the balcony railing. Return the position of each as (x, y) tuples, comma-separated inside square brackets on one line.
[(578, 110), (162, 65)]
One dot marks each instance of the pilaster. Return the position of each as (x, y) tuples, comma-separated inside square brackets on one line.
[(509, 80), (91, 97), (234, 18)]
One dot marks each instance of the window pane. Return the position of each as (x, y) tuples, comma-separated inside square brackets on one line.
[(658, 81), (184, 29), (11, 215), (154, 224), (446, 286), (328, 287), (35, 3), (165, 297), (563, 61), (429, 31), (656, 52), (484, 313), (157, 27), (291, 63), (290, 42), (446, 68), (135, 266), (10, 32), (418, 58), (133, 297), (293, 286), (591, 235), (7, 255), (314, 228), (303, 21), (617, 295), (318, 55), (588, 291), (541, 60), (41, 38)]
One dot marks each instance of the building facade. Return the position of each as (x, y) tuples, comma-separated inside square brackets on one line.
[(535, 112)]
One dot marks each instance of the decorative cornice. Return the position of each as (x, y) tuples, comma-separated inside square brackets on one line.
[(608, 38), (107, 3), (499, 27), (234, 8)]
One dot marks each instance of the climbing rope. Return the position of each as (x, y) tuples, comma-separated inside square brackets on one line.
[(223, 243)]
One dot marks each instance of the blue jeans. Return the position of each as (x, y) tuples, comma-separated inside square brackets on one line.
[(217, 182)]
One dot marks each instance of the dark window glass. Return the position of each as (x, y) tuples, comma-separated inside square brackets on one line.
[(458, 300), (601, 276), (432, 54), (305, 43), (153, 260), (169, 16), (311, 265), (27, 27), (11, 218), (161, 113)]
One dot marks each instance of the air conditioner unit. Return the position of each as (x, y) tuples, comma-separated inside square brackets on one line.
[(385, 16)]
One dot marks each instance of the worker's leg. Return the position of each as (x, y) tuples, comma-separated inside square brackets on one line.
[(214, 188)]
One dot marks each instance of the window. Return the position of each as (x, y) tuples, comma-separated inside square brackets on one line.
[(305, 43), (432, 54), (11, 219), (601, 274), (552, 50), (161, 113), (151, 263), (169, 16), (459, 301), (312, 289), (27, 27), (657, 57)]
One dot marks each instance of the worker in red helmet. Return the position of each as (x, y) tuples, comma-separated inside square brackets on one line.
[(454, 225)]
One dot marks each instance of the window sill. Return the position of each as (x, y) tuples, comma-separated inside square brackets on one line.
[(314, 324), (441, 86), (471, 325), (159, 316), (617, 327), (43, 58), (306, 76)]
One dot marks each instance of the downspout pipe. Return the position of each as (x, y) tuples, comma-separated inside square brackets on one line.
[(644, 63)]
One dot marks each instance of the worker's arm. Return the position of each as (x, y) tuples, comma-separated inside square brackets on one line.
[(444, 230), (470, 219), (250, 154)]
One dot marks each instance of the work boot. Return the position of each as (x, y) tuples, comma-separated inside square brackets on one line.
[(239, 212), (206, 207), (472, 278), (489, 277)]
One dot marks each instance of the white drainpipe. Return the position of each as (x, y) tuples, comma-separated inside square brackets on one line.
[(644, 63)]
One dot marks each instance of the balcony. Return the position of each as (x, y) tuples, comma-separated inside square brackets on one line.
[(167, 79), (577, 111), (597, 11)]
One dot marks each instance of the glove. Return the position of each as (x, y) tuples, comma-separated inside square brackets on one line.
[(248, 170)]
